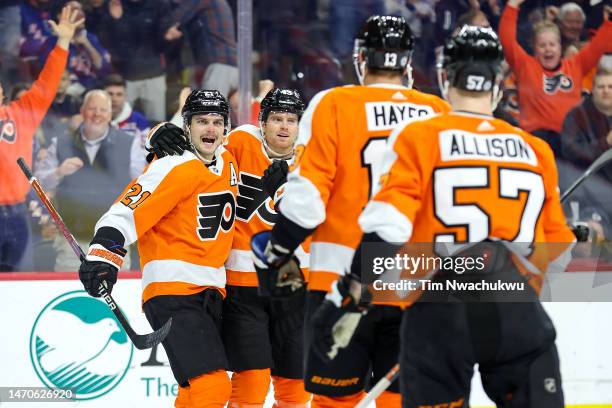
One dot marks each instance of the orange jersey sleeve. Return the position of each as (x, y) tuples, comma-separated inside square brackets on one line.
[(343, 135), (18, 122), (182, 215), (589, 55), (514, 53), (255, 211)]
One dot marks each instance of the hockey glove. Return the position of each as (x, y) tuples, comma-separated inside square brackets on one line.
[(278, 270), (337, 318), (103, 261), (166, 139), (275, 176)]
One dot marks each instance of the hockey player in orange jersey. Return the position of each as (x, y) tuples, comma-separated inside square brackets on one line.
[(262, 334), (342, 136), (181, 211), (474, 186)]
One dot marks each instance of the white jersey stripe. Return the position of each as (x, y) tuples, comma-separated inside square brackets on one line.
[(170, 270), (329, 257), (386, 221), (241, 260), (302, 202)]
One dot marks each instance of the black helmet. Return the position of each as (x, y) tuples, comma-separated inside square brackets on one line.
[(471, 60), (206, 101), (281, 100), (385, 42)]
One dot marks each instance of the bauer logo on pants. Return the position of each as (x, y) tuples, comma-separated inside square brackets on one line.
[(77, 343), (550, 385)]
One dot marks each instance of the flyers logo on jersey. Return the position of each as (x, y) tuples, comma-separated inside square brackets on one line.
[(8, 132), (253, 199), (557, 82), (216, 211)]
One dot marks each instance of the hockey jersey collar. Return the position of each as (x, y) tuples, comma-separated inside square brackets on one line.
[(472, 114), (388, 86)]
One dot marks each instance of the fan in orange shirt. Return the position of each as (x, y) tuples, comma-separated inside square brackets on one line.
[(476, 188), (548, 85), (343, 134), (18, 122), (181, 211)]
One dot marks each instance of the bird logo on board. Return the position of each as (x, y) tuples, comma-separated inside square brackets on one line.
[(77, 343)]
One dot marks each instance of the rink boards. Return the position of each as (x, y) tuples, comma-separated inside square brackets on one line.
[(54, 333)]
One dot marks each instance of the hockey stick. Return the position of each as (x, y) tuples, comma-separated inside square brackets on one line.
[(380, 387), (593, 168), (141, 341)]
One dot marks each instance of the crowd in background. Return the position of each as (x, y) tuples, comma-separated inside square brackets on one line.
[(131, 60)]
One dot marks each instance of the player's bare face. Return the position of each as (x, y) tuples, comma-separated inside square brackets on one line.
[(207, 133), (280, 131), (118, 96), (548, 49)]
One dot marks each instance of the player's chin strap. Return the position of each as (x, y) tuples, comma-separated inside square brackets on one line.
[(496, 96), (272, 154), (275, 155)]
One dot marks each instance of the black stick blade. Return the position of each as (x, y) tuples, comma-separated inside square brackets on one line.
[(146, 341)]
